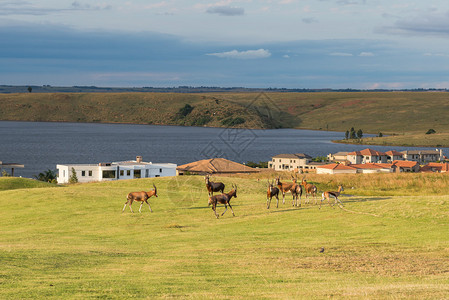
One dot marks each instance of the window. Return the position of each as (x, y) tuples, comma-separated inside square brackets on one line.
[(147, 173), (122, 172), (137, 174), (160, 170), (109, 174), (83, 173), (90, 173), (128, 173)]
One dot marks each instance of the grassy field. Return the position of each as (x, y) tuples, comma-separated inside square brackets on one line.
[(391, 240), (405, 116)]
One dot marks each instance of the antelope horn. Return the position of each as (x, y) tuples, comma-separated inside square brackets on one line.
[(155, 189)]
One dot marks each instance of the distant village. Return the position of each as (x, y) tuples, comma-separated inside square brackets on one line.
[(364, 161)]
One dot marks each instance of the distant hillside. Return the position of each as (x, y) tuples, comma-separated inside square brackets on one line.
[(392, 113)]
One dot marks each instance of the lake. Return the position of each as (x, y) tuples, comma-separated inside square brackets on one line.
[(42, 145)]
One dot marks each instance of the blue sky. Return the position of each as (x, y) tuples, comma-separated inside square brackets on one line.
[(364, 44)]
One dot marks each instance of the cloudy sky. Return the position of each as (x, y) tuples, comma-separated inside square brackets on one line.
[(364, 44)]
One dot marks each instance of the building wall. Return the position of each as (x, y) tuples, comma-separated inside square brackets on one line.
[(90, 173), (289, 164), (331, 171)]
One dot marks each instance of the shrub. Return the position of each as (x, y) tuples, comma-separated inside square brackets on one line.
[(73, 178)]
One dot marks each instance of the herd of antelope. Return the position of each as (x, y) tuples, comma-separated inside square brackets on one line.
[(274, 188)]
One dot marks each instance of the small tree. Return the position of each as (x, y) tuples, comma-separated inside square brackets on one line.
[(30, 89), (5, 174), (380, 134), (359, 133), (347, 134), (352, 134), (73, 178), (47, 176)]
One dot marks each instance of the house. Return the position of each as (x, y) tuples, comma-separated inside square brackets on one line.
[(289, 162), (406, 166), (214, 166), (435, 167), (337, 157), (115, 170), (335, 169), (393, 155), (423, 156), (367, 156), (374, 168)]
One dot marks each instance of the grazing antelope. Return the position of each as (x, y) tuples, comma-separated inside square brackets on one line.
[(140, 196), (328, 195), (310, 189), (223, 199), (272, 192), (213, 186), (286, 188)]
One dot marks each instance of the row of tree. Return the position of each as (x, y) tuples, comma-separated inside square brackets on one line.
[(352, 134)]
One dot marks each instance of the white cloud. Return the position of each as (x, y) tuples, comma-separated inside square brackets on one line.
[(341, 54), (286, 56), (366, 54), (249, 54), (226, 10)]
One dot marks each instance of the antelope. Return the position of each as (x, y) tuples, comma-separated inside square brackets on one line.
[(213, 186), (288, 187), (272, 192), (140, 196), (309, 189), (328, 195), (224, 198), (297, 191)]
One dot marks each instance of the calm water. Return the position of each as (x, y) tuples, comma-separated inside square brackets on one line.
[(40, 145)]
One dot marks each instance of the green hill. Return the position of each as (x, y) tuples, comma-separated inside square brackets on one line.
[(13, 183), (74, 242), (409, 114)]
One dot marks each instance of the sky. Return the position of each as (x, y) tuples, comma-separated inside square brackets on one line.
[(339, 44)]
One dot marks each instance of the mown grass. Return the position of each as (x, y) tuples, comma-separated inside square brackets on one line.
[(74, 242)]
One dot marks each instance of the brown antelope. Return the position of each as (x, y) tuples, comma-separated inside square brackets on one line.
[(288, 188), (310, 189), (224, 198), (140, 196), (297, 192), (272, 192), (328, 195), (213, 186)]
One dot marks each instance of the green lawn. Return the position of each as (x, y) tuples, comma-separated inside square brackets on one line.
[(74, 242)]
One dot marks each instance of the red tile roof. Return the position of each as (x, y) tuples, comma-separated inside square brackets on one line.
[(367, 152), (405, 163), (336, 167), (394, 152), (431, 167)]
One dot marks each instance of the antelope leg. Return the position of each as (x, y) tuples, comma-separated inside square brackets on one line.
[(226, 208)]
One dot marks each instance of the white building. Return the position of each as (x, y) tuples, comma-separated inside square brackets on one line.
[(115, 170)]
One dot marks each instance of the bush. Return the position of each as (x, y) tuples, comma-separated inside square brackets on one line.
[(430, 131), (73, 178), (187, 109)]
